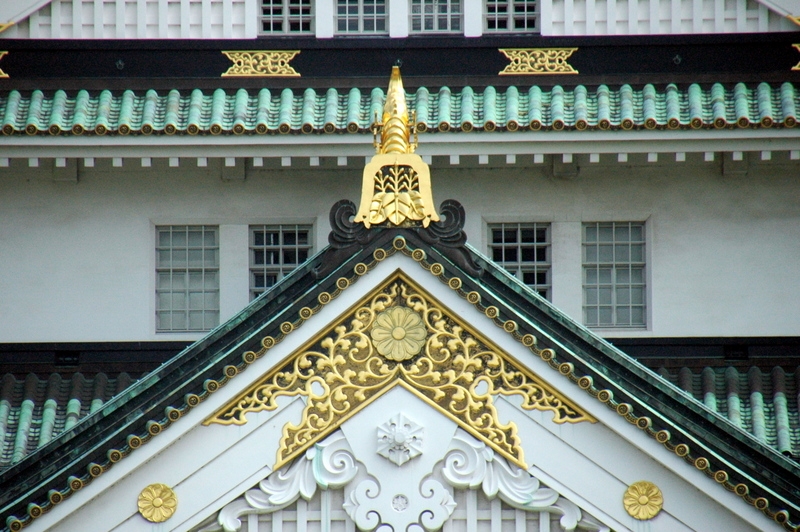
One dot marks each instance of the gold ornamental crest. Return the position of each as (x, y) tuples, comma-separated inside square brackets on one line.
[(399, 336)]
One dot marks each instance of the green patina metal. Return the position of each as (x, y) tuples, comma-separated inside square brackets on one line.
[(468, 109)]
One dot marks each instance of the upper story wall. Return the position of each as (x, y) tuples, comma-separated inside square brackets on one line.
[(80, 259), (247, 19)]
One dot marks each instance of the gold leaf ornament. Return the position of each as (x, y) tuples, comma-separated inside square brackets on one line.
[(398, 333), (643, 500), (157, 503)]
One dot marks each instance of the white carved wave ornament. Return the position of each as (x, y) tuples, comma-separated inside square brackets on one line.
[(468, 464)]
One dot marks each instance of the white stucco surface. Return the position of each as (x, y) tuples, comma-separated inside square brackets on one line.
[(78, 259)]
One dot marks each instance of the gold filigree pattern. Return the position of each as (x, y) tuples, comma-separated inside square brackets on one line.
[(457, 372), (157, 503), (261, 63), (643, 500), (2, 55), (533, 61), (796, 47)]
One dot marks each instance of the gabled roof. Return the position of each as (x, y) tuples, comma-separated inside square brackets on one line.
[(467, 109), (734, 459)]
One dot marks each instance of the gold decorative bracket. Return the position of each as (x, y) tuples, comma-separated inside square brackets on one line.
[(794, 18), (537, 61), (2, 55), (796, 47), (419, 345), (5, 25), (261, 64)]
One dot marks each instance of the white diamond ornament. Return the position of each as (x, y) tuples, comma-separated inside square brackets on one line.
[(400, 439)]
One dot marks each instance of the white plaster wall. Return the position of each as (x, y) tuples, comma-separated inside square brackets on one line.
[(139, 19), (77, 260), (653, 17)]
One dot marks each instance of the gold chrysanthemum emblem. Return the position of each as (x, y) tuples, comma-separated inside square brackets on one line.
[(157, 503), (643, 500), (399, 333)]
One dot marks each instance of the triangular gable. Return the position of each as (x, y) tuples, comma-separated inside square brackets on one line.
[(590, 464), (363, 355)]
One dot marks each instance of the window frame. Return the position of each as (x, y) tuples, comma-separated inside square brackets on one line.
[(210, 313), (510, 16), (615, 282), (286, 18), (519, 267), (421, 16), (361, 18), (282, 268)]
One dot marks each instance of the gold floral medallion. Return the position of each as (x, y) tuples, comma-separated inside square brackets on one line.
[(643, 500), (398, 333), (157, 503)]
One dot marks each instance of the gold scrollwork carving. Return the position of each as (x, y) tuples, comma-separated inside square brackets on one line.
[(456, 371), (532, 61), (2, 55), (261, 63), (796, 47)]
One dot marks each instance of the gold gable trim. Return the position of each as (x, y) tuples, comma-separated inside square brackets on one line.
[(537, 61), (342, 370), (261, 64), (2, 55)]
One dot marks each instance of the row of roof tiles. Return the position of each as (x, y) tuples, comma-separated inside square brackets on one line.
[(332, 111), (33, 410), (763, 404)]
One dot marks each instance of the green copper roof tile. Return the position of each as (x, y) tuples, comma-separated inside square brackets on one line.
[(57, 112), (788, 105), (331, 111), (512, 108), (467, 109), (581, 109), (285, 113), (764, 101), (309, 111), (695, 106), (354, 110), (535, 118), (103, 121), (718, 109), (673, 107), (490, 109)]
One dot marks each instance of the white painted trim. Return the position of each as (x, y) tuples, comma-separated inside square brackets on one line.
[(523, 143)]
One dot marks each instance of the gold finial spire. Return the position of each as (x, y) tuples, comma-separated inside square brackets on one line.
[(395, 135), (396, 185)]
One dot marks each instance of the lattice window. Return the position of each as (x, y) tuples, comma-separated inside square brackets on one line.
[(361, 16), (286, 16), (435, 16), (187, 278), (614, 274), (523, 250), (275, 250), (511, 16)]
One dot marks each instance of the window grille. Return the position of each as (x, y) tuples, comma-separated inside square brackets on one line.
[(435, 16), (286, 16), (614, 274), (187, 272), (511, 16), (361, 16), (275, 250), (524, 250)]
